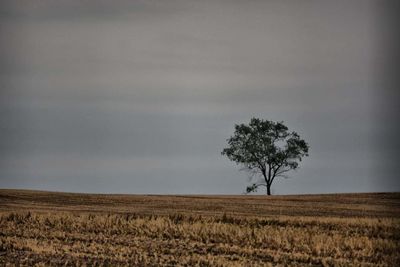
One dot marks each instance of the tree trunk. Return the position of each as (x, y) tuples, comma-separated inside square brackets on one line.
[(267, 180)]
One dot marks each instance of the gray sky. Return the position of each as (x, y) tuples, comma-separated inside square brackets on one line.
[(140, 96)]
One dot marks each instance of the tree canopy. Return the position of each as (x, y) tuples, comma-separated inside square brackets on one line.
[(265, 148)]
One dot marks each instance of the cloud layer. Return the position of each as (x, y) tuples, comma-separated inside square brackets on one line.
[(139, 96)]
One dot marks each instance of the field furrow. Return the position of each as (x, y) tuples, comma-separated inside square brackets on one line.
[(209, 237)]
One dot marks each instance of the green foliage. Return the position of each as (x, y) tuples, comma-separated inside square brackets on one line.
[(251, 188), (266, 148)]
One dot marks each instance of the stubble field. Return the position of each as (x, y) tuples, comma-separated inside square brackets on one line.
[(46, 228)]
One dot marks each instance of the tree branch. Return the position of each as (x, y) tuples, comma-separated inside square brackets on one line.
[(254, 186)]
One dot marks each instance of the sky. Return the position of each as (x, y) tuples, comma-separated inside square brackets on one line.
[(140, 96)]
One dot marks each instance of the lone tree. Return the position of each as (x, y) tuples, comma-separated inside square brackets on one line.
[(265, 148)]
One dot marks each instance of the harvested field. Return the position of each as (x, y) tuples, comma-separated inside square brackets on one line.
[(47, 228)]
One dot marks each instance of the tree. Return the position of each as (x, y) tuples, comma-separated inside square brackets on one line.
[(265, 148)]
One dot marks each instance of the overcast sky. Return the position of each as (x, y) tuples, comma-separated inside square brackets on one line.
[(140, 96)]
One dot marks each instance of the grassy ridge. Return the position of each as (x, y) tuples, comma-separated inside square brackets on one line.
[(75, 229)]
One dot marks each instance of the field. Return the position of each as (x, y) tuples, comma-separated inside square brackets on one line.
[(46, 228)]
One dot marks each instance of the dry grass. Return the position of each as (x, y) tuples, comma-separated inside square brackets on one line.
[(42, 228)]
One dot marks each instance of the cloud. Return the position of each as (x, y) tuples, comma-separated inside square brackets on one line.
[(89, 86)]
